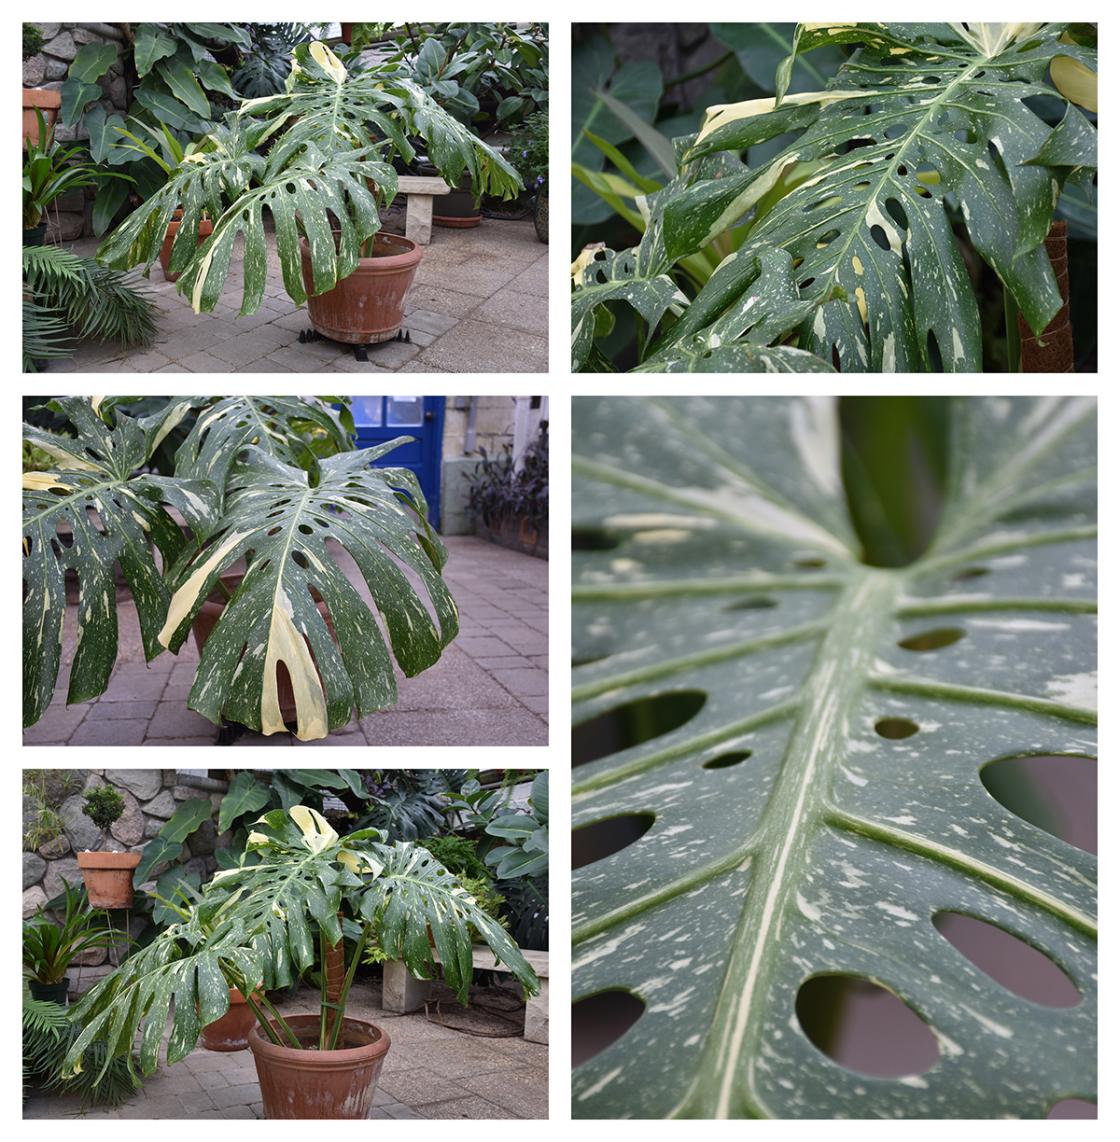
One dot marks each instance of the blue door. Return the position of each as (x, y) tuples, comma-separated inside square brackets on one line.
[(378, 419)]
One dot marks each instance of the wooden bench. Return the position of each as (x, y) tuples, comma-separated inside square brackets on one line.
[(402, 992), (421, 189)]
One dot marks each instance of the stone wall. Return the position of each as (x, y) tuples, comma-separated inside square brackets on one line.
[(61, 43), (151, 797)]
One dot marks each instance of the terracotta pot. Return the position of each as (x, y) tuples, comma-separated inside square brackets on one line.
[(367, 306), (231, 1032), (48, 102), (320, 1084), (205, 229), (207, 619), (108, 878)]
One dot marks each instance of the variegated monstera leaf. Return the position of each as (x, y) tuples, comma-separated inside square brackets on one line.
[(258, 926), (922, 118), (824, 802), (279, 524), (92, 511)]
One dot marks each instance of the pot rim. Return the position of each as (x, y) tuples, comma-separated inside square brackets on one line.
[(97, 858), (339, 1059), (411, 255)]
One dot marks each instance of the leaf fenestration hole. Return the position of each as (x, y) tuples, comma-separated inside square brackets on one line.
[(932, 639), (1010, 961), (1057, 794), (602, 839), (1072, 1108), (971, 573), (753, 603), (864, 1027), (601, 1020), (634, 723), (933, 353), (594, 539), (896, 728), (726, 760)]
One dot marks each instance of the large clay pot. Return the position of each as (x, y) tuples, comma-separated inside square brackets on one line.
[(207, 619), (320, 1084), (367, 306), (205, 229), (48, 102), (231, 1032), (108, 878)]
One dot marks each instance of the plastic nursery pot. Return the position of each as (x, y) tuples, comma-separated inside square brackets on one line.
[(205, 229), (108, 878), (55, 992), (319, 1084), (35, 236), (231, 1032), (48, 102), (207, 619), (367, 306)]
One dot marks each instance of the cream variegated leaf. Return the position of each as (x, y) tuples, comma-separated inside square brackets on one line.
[(724, 566), (279, 523)]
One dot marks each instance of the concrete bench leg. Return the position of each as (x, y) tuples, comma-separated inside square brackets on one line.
[(401, 991), (536, 1016), (418, 219)]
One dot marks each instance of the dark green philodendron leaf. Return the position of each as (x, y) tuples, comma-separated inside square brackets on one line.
[(279, 524), (89, 514), (923, 120), (792, 837), (246, 795)]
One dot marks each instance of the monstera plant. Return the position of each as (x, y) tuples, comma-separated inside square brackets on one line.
[(318, 159), (855, 246), (299, 891), (261, 484), (805, 739)]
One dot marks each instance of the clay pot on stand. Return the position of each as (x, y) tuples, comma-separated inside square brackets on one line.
[(231, 1032), (320, 1084), (367, 306), (108, 878), (48, 102), (205, 229)]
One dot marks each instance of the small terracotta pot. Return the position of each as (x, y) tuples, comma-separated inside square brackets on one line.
[(207, 619), (367, 306), (48, 102), (231, 1032), (320, 1084), (108, 878), (205, 229)]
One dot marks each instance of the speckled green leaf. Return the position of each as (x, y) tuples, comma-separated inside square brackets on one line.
[(280, 524), (920, 118), (91, 514), (729, 569)]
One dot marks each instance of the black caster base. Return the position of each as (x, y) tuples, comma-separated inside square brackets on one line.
[(361, 352)]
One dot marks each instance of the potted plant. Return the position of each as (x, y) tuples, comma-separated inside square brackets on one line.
[(260, 926), (107, 873), (260, 485), (326, 172), (528, 151), (49, 172), (49, 948)]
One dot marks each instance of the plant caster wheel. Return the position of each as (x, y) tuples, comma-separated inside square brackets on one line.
[(361, 352)]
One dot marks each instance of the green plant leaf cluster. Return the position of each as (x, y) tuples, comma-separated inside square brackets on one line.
[(807, 732), (928, 133)]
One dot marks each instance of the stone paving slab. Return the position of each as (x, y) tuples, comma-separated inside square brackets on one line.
[(430, 1072), (479, 303), (485, 690)]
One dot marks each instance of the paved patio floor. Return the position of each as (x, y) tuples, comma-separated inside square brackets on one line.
[(490, 687), (479, 303), (430, 1071)]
